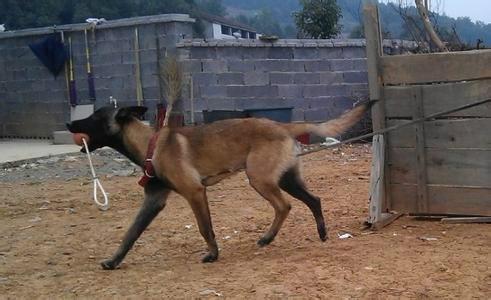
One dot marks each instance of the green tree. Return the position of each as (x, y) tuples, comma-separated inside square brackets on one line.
[(319, 18)]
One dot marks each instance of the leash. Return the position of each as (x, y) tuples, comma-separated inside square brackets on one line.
[(97, 184), (392, 128)]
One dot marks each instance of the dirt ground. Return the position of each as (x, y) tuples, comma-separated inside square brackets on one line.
[(53, 237)]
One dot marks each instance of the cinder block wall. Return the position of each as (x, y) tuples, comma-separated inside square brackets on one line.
[(318, 78), (33, 103)]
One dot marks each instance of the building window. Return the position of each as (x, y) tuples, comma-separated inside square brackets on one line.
[(243, 34), (226, 30), (252, 35)]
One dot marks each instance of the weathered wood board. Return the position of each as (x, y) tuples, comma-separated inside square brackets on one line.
[(436, 67)]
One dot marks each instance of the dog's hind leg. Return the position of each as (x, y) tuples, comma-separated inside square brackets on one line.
[(263, 169), (199, 204), (292, 183), (155, 198)]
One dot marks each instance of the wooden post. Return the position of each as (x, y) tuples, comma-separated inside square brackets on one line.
[(418, 112), (379, 193)]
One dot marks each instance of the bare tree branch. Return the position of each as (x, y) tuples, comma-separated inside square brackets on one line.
[(429, 27)]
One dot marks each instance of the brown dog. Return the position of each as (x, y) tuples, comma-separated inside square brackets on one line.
[(187, 160)]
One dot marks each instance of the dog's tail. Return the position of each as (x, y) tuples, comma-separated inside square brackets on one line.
[(330, 128)]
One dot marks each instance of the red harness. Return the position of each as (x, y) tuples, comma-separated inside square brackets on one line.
[(148, 170)]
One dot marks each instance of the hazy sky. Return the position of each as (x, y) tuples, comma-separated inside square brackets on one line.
[(477, 10)]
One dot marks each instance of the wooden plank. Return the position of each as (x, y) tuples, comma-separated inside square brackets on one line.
[(385, 219), (436, 67), (454, 133), (443, 200), (439, 97), (466, 220), (421, 176), (377, 189), (456, 167)]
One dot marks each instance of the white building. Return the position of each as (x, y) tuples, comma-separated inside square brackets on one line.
[(216, 27)]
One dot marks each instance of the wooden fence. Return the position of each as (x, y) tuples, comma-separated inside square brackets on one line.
[(439, 167)]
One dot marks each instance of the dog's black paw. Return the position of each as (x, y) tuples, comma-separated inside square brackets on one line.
[(108, 264), (264, 241), (322, 233), (210, 257)]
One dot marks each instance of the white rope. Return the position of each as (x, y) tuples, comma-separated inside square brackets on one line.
[(97, 183)]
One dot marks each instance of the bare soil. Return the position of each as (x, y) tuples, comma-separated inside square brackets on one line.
[(52, 238)]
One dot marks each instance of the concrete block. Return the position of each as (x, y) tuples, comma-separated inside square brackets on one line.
[(214, 91), (290, 91), (216, 66), (148, 56), (281, 78), (274, 65), (315, 115), (354, 52), (230, 78), (280, 53), (330, 53), (221, 104), (192, 66), (355, 77), (241, 65), (319, 90), (255, 53), (254, 103), (341, 64), (306, 78), (331, 77), (151, 93), (203, 53), (298, 115), (306, 53), (230, 53), (317, 65), (62, 137), (256, 78), (360, 64), (258, 91), (205, 78)]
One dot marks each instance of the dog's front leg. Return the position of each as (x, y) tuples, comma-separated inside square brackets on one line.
[(155, 198), (199, 204)]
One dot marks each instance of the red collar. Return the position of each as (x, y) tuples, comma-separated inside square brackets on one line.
[(148, 170)]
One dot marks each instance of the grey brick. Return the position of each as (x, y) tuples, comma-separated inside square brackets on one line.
[(298, 115), (319, 90), (216, 66), (256, 78), (203, 53), (317, 65), (355, 77), (354, 52), (280, 53), (151, 93), (290, 91), (148, 56), (259, 91), (241, 65), (230, 53), (330, 53), (254, 103), (313, 115), (360, 64), (255, 53), (230, 78), (306, 53), (331, 77), (214, 91), (221, 104), (278, 65), (205, 79), (341, 64), (281, 78), (192, 66), (306, 78)]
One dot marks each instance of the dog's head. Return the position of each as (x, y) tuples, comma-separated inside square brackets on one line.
[(105, 126)]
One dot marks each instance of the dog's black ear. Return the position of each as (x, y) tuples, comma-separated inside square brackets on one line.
[(126, 113)]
